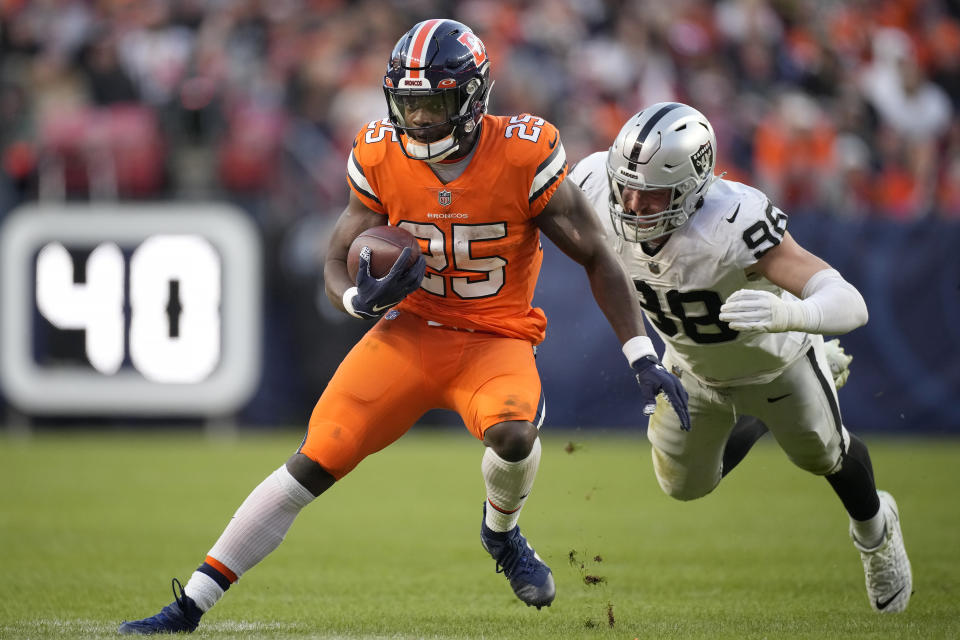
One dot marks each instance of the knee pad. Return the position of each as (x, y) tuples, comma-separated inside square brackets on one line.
[(677, 481), (818, 457), (309, 473), (513, 440), (337, 450)]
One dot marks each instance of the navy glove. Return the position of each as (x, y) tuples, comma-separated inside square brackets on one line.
[(374, 296), (653, 379)]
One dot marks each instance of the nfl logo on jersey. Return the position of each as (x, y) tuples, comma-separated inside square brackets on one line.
[(444, 198)]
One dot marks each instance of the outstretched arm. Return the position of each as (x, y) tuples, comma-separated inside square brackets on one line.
[(570, 223), (828, 304)]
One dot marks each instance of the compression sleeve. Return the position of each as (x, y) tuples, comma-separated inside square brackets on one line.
[(830, 305)]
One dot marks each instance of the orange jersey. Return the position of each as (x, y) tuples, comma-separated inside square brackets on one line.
[(477, 232)]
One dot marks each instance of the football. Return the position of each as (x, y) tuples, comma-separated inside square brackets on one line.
[(386, 243)]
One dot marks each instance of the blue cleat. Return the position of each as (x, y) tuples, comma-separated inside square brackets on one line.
[(180, 616), (529, 577)]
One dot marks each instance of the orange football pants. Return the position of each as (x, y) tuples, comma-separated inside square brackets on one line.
[(402, 368)]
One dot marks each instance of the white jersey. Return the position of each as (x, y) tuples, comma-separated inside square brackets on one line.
[(682, 285)]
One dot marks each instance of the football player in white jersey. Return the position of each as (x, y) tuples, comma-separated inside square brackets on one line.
[(742, 310)]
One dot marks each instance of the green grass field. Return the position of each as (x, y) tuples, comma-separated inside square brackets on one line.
[(94, 526)]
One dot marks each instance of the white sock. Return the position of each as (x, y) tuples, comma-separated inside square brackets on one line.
[(508, 485), (869, 533), (261, 523), (203, 590)]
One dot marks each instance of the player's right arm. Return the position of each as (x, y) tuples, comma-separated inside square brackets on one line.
[(355, 219), (369, 297), (828, 304)]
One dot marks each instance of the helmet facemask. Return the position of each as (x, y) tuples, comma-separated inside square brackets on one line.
[(635, 227), (451, 119)]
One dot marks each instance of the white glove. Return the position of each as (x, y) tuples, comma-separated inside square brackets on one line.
[(756, 310), (830, 305), (839, 362)]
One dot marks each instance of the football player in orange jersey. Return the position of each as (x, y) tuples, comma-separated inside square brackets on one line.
[(457, 329)]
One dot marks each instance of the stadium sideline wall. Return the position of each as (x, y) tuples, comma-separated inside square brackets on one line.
[(905, 375)]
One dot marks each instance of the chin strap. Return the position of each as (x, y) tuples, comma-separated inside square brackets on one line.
[(413, 149)]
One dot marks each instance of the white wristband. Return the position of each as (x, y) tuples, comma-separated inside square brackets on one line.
[(348, 302), (638, 347)]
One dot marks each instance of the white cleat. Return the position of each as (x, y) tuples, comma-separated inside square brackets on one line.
[(886, 566)]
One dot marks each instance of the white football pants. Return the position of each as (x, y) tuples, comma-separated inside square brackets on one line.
[(799, 407)]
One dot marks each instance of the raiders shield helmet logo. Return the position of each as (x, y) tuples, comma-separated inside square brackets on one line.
[(444, 198), (703, 159)]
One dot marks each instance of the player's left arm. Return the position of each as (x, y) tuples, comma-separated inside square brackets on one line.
[(569, 222), (828, 304)]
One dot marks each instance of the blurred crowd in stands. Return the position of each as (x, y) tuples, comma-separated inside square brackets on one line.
[(844, 107), (840, 108)]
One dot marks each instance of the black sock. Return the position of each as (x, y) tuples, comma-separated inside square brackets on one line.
[(742, 438), (854, 484)]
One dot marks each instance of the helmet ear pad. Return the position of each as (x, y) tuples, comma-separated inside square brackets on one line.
[(478, 102)]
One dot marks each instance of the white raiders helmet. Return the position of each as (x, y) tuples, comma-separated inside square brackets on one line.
[(668, 145)]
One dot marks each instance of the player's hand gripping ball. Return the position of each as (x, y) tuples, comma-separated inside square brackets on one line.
[(387, 266), (386, 243)]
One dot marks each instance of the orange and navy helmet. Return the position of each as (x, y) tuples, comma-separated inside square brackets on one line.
[(439, 68)]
